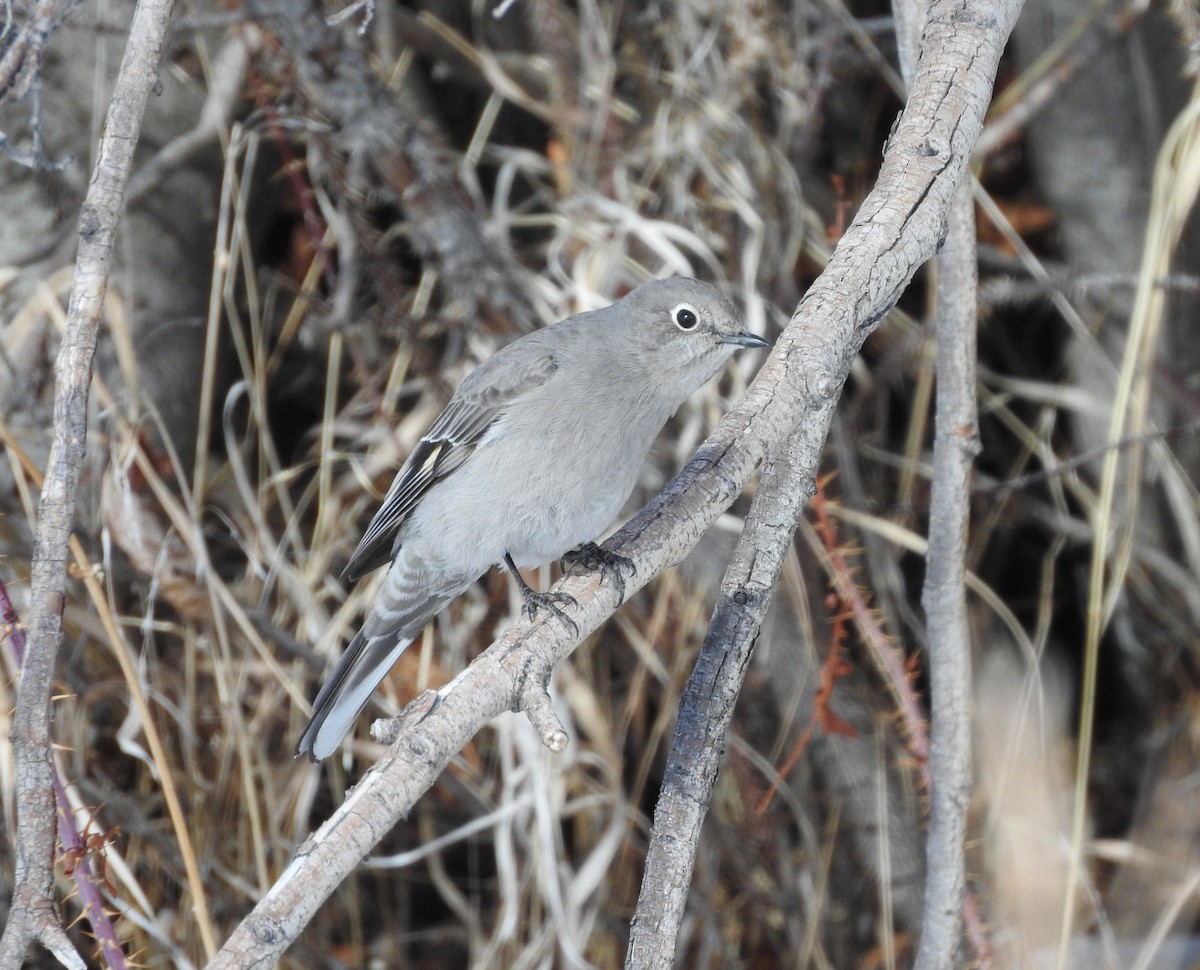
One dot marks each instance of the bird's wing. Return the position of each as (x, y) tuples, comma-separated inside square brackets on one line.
[(479, 402)]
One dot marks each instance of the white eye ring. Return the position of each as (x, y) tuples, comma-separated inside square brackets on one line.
[(685, 316)]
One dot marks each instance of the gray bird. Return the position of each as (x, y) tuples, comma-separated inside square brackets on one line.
[(534, 455)]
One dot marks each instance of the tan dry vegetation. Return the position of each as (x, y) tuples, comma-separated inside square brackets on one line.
[(593, 146)]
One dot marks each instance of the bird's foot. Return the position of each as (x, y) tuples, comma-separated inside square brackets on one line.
[(550, 601), (592, 558)]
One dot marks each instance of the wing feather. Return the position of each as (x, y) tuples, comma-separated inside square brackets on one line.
[(479, 402)]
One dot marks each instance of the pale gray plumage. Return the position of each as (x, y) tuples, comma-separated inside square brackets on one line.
[(535, 454)]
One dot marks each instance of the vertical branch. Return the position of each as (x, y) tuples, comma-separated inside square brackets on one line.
[(706, 708), (33, 916), (956, 442)]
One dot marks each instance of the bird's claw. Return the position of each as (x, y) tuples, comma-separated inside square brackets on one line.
[(550, 601), (593, 558)]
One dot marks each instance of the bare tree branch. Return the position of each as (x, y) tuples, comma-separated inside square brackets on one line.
[(955, 444), (33, 915), (706, 708), (899, 227)]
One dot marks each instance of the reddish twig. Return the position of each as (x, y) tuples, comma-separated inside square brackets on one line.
[(896, 669), (82, 856)]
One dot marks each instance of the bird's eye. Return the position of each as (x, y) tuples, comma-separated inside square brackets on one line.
[(686, 317)]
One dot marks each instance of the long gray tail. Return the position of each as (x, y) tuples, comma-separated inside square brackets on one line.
[(360, 670), (404, 605)]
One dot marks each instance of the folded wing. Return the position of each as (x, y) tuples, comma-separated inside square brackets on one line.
[(479, 402)]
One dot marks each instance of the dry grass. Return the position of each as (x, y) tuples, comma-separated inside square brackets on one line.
[(206, 603)]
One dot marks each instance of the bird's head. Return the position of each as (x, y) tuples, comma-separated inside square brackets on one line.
[(682, 331)]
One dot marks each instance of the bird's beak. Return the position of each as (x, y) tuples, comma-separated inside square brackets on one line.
[(744, 339)]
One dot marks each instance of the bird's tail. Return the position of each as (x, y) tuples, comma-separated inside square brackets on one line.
[(410, 596), (360, 670)]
